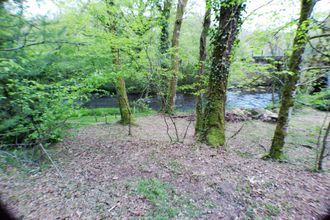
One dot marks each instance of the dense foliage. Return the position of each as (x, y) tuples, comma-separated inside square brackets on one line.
[(51, 64)]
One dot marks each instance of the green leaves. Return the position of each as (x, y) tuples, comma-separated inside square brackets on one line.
[(36, 111)]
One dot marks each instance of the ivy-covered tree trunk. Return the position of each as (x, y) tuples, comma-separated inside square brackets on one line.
[(223, 41), (171, 93), (288, 90), (165, 11), (201, 71), (164, 8)]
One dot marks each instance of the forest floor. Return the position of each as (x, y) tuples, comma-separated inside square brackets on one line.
[(109, 175)]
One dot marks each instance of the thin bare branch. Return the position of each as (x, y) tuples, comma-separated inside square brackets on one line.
[(175, 128), (319, 36), (252, 12), (315, 68), (317, 50), (310, 81), (185, 133), (51, 160), (167, 129)]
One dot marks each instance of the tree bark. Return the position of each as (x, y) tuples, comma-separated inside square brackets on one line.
[(288, 90), (214, 115), (171, 93), (201, 71), (322, 150)]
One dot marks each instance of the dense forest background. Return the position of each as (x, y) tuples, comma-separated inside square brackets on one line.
[(52, 62)]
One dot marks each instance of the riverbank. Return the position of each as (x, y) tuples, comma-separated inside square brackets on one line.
[(110, 175)]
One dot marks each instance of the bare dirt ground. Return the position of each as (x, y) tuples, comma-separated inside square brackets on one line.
[(103, 168)]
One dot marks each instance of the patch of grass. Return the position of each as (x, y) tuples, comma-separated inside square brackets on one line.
[(303, 137), (249, 214), (167, 204), (244, 154), (272, 210), (175, 167), (89, 120), (248, 188), (158, 194), (85, 116), (96, 112), (209, 204), (287, 206)]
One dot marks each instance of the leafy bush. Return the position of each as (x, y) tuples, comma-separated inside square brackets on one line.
[(320, 100), (34, 111)]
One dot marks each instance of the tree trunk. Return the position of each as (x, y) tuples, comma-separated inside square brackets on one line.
[(112, 27), (201, 71), (214, 115), (273, 94), (288, 90), (164, 8), (321, 155), (125, 111), (171, 93), (124, 108)]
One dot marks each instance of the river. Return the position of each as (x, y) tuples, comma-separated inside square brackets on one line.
[(186, 102)]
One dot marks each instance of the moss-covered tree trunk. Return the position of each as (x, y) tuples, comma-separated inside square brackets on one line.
[(125, 111), (171, 93), (201, 71), (123, 104), (288, 90), (223, 41)]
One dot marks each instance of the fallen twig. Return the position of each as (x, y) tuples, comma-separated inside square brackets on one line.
[(263, 147), (302, 145), (307, 146), (237, 132), (113, 207), (231, 137)]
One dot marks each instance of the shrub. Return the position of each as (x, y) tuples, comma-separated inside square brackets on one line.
[(320, 100), (32, 111)]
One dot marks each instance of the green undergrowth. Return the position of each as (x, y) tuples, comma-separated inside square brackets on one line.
[(24, 161), (266, 211), (166, 202), (319, 100)]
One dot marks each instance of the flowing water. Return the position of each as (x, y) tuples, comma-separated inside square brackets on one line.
[(186, 102)]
